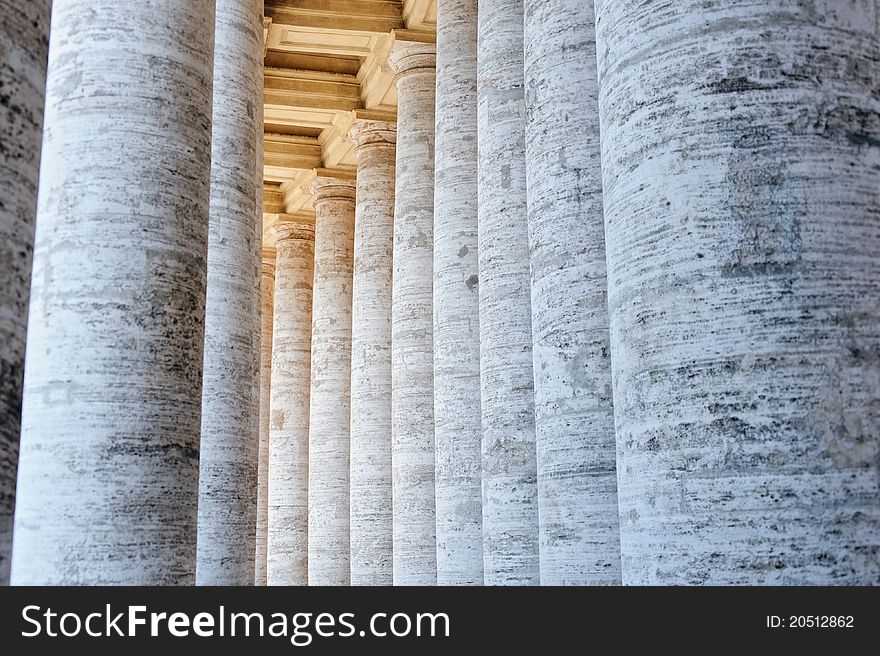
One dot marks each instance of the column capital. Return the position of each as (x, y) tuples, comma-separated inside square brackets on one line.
[(409, 57), (333, 185), (291, 230), (267, 262), (371, 132)]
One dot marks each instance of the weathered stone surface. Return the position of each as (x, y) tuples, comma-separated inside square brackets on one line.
[(287, 552), (267, 300), (412, 348), (264, 281), (574, 414), (330, 417), (742, 179), (456, 300), (24, 35), (230, 411), (108, 474), (371, 516), (510, 493)]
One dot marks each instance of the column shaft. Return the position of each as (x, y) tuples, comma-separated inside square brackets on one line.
[(742, 181), (330, 417), (371, 515), (267, 299), (574, 414), (109, 462), (412, 349), (230, 411), (287, 550), (24, 33), (456, 300), (510, 495)]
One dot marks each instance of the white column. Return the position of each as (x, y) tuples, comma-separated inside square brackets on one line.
[(330, 417), (371, 516), (412, 348), (287, 550), (109, 467), (267, 300), (230, 411), (456, 300), (741, 185), (574, 414), (24, 33), (510, 494)]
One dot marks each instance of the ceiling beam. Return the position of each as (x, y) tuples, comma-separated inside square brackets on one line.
[(360, 15), (287, 153), (312, 89)]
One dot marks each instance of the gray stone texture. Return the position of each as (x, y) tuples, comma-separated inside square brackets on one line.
[(264, 281), (267, 299), (108, 479), (24, 35), (287, 550), (456, 300), (510, 493), (370, 512), (574, 415), (741, 185), (230, 408), (330, 417), (412, 347)]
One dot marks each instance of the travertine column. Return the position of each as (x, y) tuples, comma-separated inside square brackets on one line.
[(109, 468), (265, 285), (574, 415), (24, 33), (329, 419), (510, 494), (456, 300), (267, 299), (412, 349), (230, 436), (741, 185), (287, 551), (371, 522)]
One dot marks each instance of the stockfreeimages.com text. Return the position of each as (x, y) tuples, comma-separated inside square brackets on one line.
[(300, 628)]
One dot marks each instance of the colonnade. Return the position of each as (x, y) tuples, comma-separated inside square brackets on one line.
[(602, 306)]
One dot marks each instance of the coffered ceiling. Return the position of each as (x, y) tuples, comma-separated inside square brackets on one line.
[(325, 64)]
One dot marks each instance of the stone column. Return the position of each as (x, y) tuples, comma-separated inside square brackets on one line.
[(330, 419), (741, 187), (265, 285), (267, 299), (287, 551), (574, 415), (510, 493), (109, 467), (456, 300), (230, 441), (24, 33), (412, 347), (371, 516)]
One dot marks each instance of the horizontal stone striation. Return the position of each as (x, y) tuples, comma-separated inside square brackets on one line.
[(287, 551), (574, 414), (24, 34), (110, 431), (412, 346), (230, 408), (742, 180), (330, 417), (456, 300), (370, 512), (510, 493)]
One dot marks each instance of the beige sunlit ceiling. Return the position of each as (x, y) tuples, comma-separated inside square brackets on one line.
[(325, 64)]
